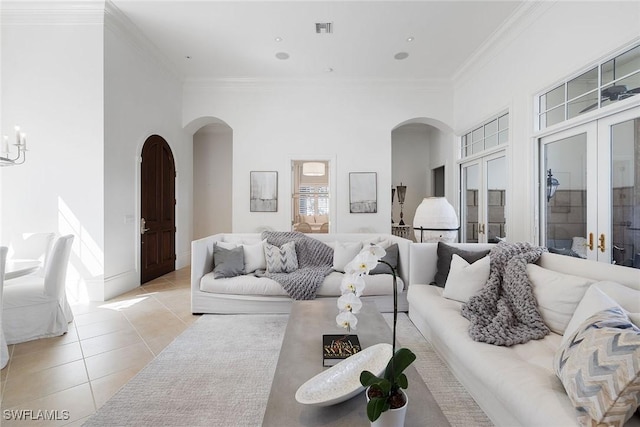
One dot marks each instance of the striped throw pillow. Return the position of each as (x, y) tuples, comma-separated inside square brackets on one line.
[(599, 367), (281, 259)]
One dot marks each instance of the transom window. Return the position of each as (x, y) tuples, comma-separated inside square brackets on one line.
[(490, 134), (610, 81)]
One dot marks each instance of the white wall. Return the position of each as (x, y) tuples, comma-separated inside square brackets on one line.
[(411, 153), (351, 122), (550, 42), (142, 98), (52, 73), (212, 180)]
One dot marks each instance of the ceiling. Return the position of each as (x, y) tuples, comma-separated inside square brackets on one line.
[(239, 39)]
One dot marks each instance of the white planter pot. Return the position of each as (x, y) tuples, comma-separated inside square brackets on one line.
[(392, 417), (436, 212)]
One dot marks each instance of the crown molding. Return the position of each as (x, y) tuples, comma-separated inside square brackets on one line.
[(88, 12), (422, 85), (525, 15)]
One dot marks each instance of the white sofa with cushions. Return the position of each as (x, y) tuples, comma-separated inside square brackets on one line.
[(247, 292), (518, 385)]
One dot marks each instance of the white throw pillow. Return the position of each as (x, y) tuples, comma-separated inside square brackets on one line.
[(343, 253), (380, 241), (254, 257), (464, 279), (557, 294), (594, 301)]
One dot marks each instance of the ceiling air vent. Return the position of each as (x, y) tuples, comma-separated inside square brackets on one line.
[(324, 27)]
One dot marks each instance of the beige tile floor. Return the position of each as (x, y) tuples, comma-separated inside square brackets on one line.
[(107, 344)]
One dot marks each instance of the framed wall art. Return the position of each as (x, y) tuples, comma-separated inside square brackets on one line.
[(363, 192), (264, 191)]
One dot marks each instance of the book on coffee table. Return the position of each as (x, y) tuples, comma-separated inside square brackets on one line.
[(338, 347)]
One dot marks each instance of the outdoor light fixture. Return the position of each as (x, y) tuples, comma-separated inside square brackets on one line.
[(552, 185)]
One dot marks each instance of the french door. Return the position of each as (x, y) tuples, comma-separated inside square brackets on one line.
[(594, 209), (484, 191)]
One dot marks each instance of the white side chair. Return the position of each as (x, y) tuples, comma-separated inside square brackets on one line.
[(4, 350), (37, 307), (32, 246)]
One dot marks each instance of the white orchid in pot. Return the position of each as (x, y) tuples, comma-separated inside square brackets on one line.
[(383, 393)]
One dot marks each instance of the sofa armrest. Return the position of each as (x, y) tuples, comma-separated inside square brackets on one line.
[(202, 258), (423, 259)]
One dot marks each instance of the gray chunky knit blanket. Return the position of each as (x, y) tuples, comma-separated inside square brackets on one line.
[(505, 311), (314, 264)]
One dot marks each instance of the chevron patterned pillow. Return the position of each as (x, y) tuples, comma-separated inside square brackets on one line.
[(599, 367), (281, 259)]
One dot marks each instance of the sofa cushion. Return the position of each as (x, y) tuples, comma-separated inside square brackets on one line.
[(242, 285), (599, 368), (281, 259), (227, 262), (599, 297), (464, 279), (520, 377), (391, 256), (254, 258), (343, 253), (445, 252), (557, 295)]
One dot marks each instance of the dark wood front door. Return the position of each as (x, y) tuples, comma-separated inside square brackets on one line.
[(157, 225)]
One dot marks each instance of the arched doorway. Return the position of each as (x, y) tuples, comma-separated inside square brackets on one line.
[(212, 176), (158, 205), (420, 161)]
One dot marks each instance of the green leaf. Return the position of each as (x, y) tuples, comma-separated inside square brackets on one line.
[(367, 378), (375, 407), (401, 360), (403, 382)]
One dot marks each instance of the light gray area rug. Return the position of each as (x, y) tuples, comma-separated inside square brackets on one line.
[(219, 372)]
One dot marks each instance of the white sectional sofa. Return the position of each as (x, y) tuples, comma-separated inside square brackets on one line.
[(250, 294), (515, 386)]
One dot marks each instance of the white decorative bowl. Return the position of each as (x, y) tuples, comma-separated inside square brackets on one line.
[(342, 381)]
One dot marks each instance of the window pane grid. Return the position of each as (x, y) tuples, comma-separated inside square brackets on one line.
[(608, 82), (492, 133)]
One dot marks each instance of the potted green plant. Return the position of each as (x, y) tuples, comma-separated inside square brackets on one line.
[(386, 402)]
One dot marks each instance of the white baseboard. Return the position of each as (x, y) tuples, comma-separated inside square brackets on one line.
[(119, 284), (183, 260)]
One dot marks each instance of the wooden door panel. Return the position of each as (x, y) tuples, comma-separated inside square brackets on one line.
[(158, 209)]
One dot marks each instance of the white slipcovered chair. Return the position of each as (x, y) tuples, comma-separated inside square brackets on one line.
[(32, 246), (36, 307), (4, 350)]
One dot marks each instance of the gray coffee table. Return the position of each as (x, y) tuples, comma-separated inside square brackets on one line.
[(301, 359)]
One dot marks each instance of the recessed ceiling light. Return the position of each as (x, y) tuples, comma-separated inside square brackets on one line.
[(401, 55), (278, 39), (410, 39), (187, 57), (282, 55), (329, 70)]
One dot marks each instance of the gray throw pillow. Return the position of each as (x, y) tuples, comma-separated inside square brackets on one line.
[(227, 262), (391, 257), (445, 252)]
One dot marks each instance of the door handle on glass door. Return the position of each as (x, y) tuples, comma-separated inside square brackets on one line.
[(590, 244), (601, 244)]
